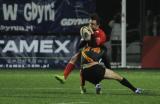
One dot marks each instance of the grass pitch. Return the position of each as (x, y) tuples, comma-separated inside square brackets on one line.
[(40, 87)]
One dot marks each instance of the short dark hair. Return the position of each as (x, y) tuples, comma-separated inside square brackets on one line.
[(94, 16)]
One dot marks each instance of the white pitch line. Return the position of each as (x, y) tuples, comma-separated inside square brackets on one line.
[(64, 89), (74, 103)]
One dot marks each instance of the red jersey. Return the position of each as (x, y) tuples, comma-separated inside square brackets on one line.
[(100, 36)]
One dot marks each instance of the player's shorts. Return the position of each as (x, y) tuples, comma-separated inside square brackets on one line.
[(94, 74)]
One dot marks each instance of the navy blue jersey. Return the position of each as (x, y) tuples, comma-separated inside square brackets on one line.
[(90, 54)]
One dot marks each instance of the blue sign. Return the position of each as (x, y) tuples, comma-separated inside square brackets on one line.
[(47, 16), (37, 51)]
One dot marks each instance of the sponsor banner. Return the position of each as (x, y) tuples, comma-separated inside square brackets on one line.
[(47, 16), (37, 51), (151, 52)]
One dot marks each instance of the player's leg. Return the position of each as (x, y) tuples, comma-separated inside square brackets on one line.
[(99, 72), (94, 75), (70, 66), (98, 88), (82, 86), (68, 69), (109, 74)]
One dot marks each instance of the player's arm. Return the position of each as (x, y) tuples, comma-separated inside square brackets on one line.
[(100, 38), (97, 39)]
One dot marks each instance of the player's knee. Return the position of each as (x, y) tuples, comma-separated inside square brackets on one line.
[(118, 77), (113, 75)]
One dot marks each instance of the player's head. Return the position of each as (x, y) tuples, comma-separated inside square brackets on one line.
[(94, 21)]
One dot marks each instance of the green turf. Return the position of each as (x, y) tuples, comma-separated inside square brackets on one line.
[(40, 87)]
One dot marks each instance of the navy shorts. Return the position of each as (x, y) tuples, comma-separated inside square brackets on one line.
[(94, 74)]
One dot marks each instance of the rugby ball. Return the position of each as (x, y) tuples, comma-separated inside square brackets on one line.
[(85, 33)]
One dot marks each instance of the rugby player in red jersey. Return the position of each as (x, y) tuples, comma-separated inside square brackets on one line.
[(89, 32)]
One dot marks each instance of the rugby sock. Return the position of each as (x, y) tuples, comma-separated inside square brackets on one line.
[(126, 83), (68, 70)]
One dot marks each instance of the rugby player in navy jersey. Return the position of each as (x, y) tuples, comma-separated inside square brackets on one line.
[(94, 71)]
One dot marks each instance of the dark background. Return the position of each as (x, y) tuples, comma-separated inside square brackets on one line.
[(137, 16), (108, 8)]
